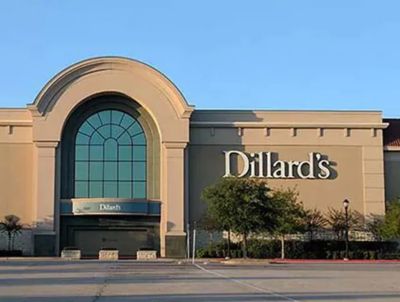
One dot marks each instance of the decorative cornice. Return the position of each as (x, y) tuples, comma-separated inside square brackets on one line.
[(175, 145), (46, 144), (195, 124), (175, 233), (188, 112), (20, 123), (34, 110)]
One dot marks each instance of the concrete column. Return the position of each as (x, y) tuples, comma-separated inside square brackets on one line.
[(44, 197), (172, 231)]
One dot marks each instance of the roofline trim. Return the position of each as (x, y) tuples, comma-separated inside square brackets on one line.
[(288, 125), (21, 123), (239, 111)]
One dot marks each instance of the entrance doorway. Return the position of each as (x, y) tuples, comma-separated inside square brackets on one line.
[(128, 234)]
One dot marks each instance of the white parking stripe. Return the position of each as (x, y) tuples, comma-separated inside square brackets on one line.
[(260, 289)]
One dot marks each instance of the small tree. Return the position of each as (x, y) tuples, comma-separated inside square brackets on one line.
[(210, 225), (290, 215), (390, 228), (314, 222), (12, 227), (374, 225), (337, 221), (242, 205)]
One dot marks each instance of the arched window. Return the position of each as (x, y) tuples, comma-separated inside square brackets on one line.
[(110, 157)]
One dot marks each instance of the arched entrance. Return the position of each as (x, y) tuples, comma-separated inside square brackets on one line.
[(110, 178), (72, 97)]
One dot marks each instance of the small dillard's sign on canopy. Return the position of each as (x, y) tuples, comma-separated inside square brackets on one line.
[(268, 165), (112, 207)]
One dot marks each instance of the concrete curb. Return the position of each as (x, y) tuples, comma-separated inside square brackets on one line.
[(336, 261), (304, 261)]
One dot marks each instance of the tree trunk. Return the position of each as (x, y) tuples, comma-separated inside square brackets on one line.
[(12, 241), (245, 245), (229, 243), (282, 246), (9, 241)]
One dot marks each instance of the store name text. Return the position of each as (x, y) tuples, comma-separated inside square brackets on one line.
[(268, 165)]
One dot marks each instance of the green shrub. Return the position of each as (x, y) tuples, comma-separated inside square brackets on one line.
[(390, 256), (202, 253), (296, 249)]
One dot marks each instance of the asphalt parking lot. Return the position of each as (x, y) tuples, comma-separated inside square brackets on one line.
[(55, 280)]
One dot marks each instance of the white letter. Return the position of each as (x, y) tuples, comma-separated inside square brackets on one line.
[(252, 166), (228, 163), (310, 164), (325, 172), (260, 164), (292, 164), (280, 172), (269, 166)]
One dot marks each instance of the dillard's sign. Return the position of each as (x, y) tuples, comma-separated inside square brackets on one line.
[(267, 165)]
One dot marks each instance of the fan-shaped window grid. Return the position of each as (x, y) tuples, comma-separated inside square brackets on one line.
[(110, 157)]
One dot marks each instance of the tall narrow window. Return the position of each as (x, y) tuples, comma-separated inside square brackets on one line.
[(110, 157)]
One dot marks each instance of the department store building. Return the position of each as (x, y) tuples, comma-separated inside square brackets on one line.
[(110, 154)]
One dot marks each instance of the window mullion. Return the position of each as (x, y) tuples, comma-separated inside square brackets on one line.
[(117, 164), (88, 167), (102, 170), (131, 163)]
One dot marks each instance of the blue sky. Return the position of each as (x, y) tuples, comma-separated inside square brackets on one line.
[(222, 54)]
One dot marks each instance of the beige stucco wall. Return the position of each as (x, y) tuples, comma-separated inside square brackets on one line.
[(351, 140), (16, 159), (392, 174), (347, 138)]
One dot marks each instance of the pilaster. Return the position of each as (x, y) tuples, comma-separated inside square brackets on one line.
[(173, 236), (44, 184)]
